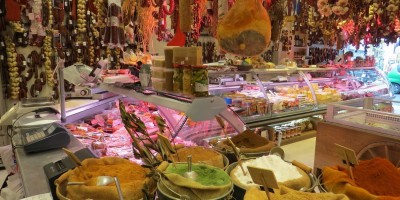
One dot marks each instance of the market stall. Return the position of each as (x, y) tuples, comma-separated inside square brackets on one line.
[(192, 94)]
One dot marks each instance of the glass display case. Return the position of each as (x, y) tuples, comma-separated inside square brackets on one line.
[(293, 93), (371, 113)]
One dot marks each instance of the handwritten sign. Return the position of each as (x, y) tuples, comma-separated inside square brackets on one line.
[(348, 156), (265, 178)]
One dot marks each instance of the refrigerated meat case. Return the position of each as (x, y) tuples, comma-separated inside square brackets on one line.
[(293, 96), (190, 118)]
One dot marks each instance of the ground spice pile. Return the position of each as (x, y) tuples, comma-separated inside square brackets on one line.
[(378, 176), (248, 140)]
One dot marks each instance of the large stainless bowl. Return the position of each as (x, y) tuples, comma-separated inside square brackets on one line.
[(239, 192), (166, 193)]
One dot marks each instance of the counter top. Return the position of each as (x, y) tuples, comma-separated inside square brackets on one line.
[(31, 166)]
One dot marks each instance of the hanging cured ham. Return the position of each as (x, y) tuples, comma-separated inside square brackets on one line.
[(246, 29)]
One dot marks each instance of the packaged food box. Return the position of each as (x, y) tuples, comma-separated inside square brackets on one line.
[(157, 72), (158, 62), (188, 56), (158, 84)]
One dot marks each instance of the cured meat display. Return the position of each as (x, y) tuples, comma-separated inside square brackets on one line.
[(246, 29)]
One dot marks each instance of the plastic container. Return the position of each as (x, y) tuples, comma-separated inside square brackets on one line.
[(187, 80), (144, 75), (178, 79), (158, 84), (169, 79), (200, 81), (157, 72), (158, 62)]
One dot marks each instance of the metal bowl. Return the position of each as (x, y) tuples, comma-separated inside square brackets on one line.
[(239, 192), (166, 193), (232, 157), (61, 190)]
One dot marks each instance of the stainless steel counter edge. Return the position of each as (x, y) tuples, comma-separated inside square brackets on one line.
[(31, 166)]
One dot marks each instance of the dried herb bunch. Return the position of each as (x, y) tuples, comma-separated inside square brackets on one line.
[(143, 145)]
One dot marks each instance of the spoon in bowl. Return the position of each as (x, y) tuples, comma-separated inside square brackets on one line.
[(190, 174)]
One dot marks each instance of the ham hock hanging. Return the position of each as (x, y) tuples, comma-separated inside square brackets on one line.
[(246, 29)]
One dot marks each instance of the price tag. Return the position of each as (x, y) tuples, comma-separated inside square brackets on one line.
[(88, 12), (24, 62), (19, 39), (348, 157), (112, 59), (265, 178), (70, 22), (2, 44), (84, 43), (79, 51), (70, 13), (65, 3), (363, 75), (27, 75), (28, 60), (43, 56), (94, 21), (1, 11), (68, 53), (1, 57)]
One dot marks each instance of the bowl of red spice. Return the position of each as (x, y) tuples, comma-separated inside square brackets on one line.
[(373, 178)]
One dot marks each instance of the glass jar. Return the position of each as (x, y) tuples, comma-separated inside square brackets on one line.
[(200, 81), (187, 80), (178, 78)]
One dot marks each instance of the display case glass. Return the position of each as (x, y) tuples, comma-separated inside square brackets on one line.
[(370, 113), (293, 93)]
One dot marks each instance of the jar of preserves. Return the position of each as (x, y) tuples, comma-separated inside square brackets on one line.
[(178, 78), (187, 80), (200, 81)]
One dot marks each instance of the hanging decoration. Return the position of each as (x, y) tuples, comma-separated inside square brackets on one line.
[(13, 74), (114, 35), (343, 22), (163, 34), (146, 24)]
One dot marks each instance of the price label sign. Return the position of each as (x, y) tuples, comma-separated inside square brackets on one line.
[(348, 157), (265, 178)]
